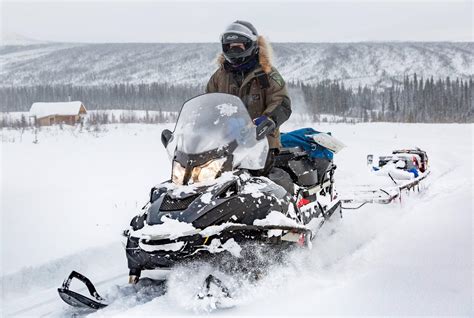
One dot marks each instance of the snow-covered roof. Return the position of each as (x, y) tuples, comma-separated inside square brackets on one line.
[(63, 108)]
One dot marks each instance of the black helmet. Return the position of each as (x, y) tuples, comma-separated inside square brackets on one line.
[(239, 32)]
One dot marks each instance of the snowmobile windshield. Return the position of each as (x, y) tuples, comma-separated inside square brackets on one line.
[(214, 121)]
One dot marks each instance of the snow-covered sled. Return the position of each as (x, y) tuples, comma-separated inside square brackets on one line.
[(403, 170)]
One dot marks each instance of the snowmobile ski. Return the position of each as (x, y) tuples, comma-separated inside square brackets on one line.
[(215, 294), (75, 299), (210, 282), (151, 289)]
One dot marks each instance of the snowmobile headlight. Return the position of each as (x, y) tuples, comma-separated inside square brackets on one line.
[(208, 171), (178, 173)]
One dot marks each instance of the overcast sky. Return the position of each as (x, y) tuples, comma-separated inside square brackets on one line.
[(197, 21)]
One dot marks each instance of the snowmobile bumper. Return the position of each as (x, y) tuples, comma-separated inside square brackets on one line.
[(152, 254)]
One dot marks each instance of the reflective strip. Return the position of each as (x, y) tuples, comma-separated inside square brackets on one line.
[(248, 36)]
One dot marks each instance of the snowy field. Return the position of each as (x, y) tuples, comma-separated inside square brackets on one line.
[(66, 199)]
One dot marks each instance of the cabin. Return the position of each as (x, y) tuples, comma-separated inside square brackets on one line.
[(47, 114)]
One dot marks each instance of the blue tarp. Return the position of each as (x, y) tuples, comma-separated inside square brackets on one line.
[(303, 138)]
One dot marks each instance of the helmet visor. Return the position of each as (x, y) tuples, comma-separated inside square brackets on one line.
[(232, 52), (228, 38)]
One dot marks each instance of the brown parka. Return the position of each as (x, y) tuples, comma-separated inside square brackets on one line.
[(262, 90)]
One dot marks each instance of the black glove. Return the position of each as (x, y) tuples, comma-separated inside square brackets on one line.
[(265, 126)]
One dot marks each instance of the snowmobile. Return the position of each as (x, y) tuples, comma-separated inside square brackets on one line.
[(216, 201), (403, 164), (404, 169)]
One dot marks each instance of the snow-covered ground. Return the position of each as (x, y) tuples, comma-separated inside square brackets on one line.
[(66, 199)]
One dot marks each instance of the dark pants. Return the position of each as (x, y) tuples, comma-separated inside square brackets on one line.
[(277, 175), (268, 164)]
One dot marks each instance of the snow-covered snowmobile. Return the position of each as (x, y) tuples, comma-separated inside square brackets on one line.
[(215, 202), (403, 164), (403, 170)]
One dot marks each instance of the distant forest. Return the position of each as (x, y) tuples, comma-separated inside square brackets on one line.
[(164, 97), (412, 100)]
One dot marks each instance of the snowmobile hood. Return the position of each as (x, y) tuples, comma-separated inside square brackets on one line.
[(187, 210)]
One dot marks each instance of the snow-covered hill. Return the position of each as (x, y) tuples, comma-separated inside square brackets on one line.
[(66, 199), (355, 63)]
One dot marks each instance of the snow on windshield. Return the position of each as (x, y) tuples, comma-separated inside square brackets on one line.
[(227, 109)]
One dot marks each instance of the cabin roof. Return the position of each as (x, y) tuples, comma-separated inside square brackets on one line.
[(62, 109)]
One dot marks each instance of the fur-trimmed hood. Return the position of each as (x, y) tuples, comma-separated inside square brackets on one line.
[(264, 55)]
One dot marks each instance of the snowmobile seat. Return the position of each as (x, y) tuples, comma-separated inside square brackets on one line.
[(304, 170)]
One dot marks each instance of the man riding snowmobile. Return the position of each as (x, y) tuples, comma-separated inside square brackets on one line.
[(245, 70), (217, 200), (212, 204)]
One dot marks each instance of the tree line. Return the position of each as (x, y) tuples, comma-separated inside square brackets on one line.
[(154, 96), (410, 100)]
